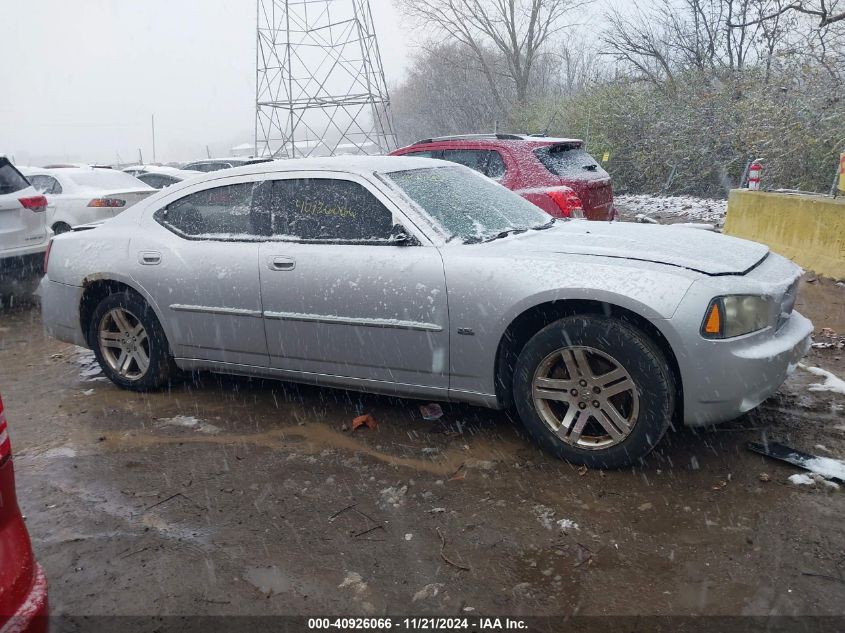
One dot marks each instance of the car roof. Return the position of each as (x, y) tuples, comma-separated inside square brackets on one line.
[(361, 165), (495, 140), (226, 159)]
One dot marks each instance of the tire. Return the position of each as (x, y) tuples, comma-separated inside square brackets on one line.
[(618, 406), (127, 322), (61, 227)]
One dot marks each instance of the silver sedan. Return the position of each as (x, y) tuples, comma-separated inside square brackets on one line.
[(421, 278)]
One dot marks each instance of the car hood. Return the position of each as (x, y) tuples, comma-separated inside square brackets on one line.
[(692, 248)]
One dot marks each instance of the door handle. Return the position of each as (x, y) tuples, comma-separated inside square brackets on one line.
[(281, 263), (149, 258)]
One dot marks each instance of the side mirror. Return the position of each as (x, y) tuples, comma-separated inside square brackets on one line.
[(400, 237)]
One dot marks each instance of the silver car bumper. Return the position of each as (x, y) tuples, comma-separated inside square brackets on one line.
[(60, 311), (728, 378)]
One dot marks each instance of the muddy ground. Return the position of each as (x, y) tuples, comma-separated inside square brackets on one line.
[(236, 496)]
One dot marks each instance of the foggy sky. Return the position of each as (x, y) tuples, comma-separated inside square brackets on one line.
[(79, 80)]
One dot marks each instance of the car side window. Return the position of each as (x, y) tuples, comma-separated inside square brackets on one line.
[(220, 213), (323, 209), (487, 162), (46, 184), (495, 165), (425, 154)]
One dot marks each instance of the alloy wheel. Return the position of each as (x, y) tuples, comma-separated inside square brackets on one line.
[(586, 397), (124, 343)]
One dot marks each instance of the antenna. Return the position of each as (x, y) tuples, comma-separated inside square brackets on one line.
[(320, 86)]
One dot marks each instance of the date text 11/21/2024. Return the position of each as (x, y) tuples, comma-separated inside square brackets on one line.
[(419, 624)]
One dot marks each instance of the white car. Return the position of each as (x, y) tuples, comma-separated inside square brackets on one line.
[(23, 231), (160, 176), (81, 195)]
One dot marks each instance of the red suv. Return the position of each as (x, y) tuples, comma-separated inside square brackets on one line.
[(543, 170), (23, 586)]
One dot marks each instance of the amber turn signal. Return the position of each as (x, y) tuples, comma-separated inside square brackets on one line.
[(713, 321)]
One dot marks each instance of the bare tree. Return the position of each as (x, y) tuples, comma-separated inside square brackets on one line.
[(516, 29), (827, 11)]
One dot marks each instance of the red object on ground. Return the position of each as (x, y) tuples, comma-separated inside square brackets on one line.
[(543, 170), (23, 585)]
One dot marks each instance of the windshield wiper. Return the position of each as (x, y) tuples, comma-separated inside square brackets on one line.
[(503, 234), (542, 227)]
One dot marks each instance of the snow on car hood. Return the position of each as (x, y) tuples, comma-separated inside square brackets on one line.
[(701, 251)]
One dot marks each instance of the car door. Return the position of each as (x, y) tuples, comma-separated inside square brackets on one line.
[(198, 259), (341, 299)]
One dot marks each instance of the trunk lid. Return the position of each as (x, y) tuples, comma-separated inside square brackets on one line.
[(694, 249)]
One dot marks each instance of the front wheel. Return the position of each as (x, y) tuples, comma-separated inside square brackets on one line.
[(594, 390), (129, 343)]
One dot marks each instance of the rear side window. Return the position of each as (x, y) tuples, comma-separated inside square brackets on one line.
[(570, 161), (158, 181), (11, 179), (221, 213), (487, 162), (45, 184), (323, 209)]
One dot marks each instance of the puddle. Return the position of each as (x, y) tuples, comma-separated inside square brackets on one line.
[(312, 438), (268, 580)]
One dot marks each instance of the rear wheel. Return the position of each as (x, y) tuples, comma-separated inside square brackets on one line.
[(61, 227), (594, 390), (129, 343)]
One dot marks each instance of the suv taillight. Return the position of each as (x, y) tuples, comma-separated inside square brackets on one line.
[(568, 202), (5, 443), (33, 203)]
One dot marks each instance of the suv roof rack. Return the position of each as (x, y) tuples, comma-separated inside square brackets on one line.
[(473, 137)]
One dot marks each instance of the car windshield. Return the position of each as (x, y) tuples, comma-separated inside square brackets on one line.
[(468, 205), (106, 179)]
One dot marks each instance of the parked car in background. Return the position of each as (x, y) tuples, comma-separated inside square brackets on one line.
[(422, 278), (216, 164), (160, 176), (23, 232), (79, 195), (23, 585), (542, 170)]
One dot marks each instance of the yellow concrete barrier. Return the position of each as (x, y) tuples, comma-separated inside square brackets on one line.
[(809, 230)]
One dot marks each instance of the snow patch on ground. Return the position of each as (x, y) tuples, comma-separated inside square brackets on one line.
[(545, 515), (831, 381), (89, 368), (190, 422), (687, 208), (354, 582), (803, 479)]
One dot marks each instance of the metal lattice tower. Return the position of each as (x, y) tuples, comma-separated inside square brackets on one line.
[(320, 87)]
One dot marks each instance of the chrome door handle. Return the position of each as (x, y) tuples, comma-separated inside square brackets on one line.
[(281, 263), (149, 258)]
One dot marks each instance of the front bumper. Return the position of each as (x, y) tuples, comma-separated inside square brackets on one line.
[(724, 379)]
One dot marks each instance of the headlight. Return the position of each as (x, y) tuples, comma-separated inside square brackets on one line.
[(736, 315)]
